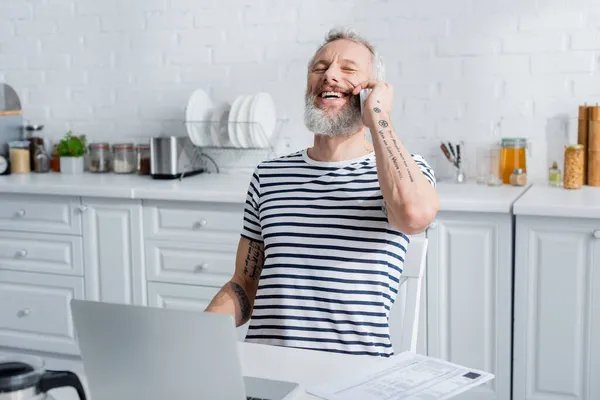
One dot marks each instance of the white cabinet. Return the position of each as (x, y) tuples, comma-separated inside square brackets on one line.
[(113, 250), (469, 286), (557, 309)]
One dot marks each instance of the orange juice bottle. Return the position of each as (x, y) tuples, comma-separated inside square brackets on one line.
[(512, 156)]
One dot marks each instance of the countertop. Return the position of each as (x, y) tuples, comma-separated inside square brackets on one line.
[(543, 200), (227, 187)]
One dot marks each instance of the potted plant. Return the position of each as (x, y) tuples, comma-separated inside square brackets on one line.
[(71, 150)]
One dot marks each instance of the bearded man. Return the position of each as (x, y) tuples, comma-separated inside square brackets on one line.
[(326, 228)]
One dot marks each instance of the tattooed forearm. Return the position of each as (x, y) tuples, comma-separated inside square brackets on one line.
[(393, 157), (383, 123), (243, 301), (254, 261)]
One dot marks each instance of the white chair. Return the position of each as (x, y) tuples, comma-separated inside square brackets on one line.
[(404, 315)]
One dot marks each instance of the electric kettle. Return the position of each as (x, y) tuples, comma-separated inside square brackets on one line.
[(26, 378)]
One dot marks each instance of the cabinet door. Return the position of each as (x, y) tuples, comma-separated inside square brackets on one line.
[(185, 297), (469, 290), (557, 309), (113, 250)]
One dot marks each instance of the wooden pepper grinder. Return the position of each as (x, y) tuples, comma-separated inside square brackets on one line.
[(594, 147), (583, 136)]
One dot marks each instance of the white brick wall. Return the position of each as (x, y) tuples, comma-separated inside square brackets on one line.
[(114, 69)]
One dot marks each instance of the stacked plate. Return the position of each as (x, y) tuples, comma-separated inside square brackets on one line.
[(248, 122)]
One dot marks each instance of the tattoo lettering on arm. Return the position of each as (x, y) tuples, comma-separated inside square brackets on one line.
[(390, 154), (254, 261), (244, 302), (402, 157)]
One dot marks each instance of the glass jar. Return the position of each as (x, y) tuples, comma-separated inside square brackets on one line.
[(124, 158), (41, 160), (574, 166), (554, 177), (518, 177), (99, 157), (55, 159), (20, 159), (143, 159), (512, 156)]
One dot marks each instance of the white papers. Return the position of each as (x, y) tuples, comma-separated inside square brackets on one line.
[(406, 376)]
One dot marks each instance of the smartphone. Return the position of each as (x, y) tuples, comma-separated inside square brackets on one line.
[(363, 97)]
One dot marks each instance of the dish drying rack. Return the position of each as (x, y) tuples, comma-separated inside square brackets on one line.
[(248, 156)]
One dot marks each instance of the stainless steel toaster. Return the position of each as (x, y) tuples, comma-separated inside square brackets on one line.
[(173, 157)]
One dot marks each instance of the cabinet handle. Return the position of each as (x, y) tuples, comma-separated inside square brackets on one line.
[(597, 234), (23, 313), (21, 213), (22, 254), (200, 224), (202, 267)]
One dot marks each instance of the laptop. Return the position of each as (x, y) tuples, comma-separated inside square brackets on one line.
[(150, 353)]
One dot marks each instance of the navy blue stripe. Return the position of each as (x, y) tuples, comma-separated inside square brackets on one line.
[(340, 248), (355, 353), (334, 258), (318, 309), (321, 299), (328, 216), (331, 174), (324, 289), (327, 279), (251, 211), (332, 198), (310, 329), (252, 231), (251, 222), (335, 237), (353, 181), (336, 226), (250, 238), (320, 340), (320, 207), (304, 190), (319, 319), (308, 167), (336, 269)]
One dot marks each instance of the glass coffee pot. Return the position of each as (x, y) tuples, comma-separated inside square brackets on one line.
[(26, 378)]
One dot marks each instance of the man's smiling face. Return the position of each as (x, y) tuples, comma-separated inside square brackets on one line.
[(331, 109)]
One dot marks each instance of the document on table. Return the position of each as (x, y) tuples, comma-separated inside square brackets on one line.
[(406, 376)]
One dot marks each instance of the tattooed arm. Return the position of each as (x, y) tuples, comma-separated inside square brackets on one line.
[(236, 297), (411, 201)]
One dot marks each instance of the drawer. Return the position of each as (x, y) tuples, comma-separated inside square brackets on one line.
[(190, 263), (29, 252), (185, 297), (208, 222), (35, 312), (43, 214), (180, 297)]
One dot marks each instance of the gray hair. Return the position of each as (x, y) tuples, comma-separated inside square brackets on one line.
[(350, 34)]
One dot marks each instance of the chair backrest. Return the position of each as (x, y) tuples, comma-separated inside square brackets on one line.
[(404, 315)]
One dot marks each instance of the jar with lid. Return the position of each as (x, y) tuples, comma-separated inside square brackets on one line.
[(513, 155), (99, 157), (124, 159), (20, 158), (143, 159), (554, 175), (518, 177), (574, 166)]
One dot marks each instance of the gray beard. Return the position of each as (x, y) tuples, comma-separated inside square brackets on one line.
[(346, 122)]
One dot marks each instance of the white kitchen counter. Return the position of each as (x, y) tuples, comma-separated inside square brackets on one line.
[(472, 197), (543, 200), (228, 188)]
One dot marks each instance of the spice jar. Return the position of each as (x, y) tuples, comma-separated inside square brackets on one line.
[(143, 159), (41, 160), (574, 166), (55, 159), (20, 160), (99, 157), (518, 177), (124, 158), (554, 177)]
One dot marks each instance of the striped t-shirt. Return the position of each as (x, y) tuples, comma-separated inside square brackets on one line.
[(332, 261)]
